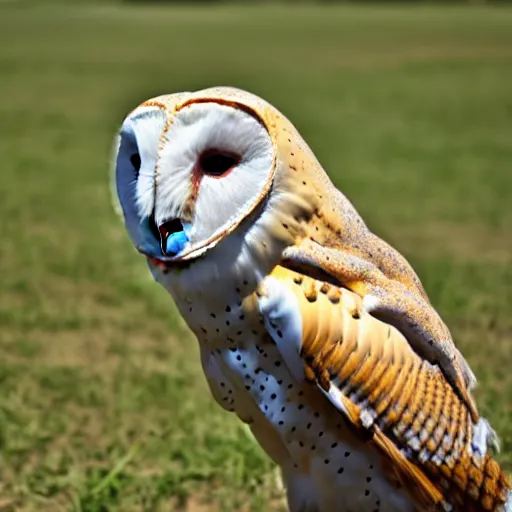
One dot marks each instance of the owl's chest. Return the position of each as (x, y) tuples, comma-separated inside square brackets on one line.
[(244, 368), (296, 428)]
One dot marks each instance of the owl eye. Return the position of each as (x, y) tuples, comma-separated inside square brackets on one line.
[(216, 163), (135, 160)]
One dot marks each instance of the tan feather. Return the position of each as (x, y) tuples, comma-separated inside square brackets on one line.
[(411, 400)]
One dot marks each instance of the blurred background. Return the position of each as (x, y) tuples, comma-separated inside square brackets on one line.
[(103, 405)]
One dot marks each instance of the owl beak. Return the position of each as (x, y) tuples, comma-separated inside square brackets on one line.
[(163, 244), (173, 238)]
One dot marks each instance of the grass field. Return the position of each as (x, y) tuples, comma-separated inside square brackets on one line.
[(103, 406)]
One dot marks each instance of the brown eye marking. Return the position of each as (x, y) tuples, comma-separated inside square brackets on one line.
[(217, 163), (214, 163)]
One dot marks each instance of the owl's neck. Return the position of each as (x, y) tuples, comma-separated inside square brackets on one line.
[(240, 261), (245, 256)]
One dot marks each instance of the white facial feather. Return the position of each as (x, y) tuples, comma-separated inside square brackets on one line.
[(170, 147), (221, 201), (139, 134), (142, 133)]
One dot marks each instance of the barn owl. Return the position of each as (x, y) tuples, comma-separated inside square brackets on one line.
[(312, 330)]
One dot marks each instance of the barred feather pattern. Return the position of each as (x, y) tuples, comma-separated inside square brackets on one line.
[(401, 401)]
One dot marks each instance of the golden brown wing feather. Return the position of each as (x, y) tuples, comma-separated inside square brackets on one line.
[(417, 422)]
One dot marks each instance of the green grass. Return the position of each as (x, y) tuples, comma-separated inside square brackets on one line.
[(103, 406)]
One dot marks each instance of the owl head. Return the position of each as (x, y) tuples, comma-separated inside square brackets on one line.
[(217, 175)]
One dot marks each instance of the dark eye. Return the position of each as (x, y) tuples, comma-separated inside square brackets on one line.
[(135, 160), (217, 164)]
